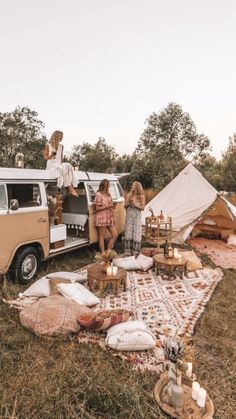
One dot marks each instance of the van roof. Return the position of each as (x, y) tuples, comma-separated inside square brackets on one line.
[(45, 175)]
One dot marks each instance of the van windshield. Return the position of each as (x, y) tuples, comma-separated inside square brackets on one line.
[(93, 188), (3, 197)]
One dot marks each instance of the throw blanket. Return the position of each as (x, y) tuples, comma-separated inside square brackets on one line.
[(167, 307), (222, 254)]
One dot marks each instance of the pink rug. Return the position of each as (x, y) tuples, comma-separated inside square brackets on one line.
[(222, 254), (167, 307)]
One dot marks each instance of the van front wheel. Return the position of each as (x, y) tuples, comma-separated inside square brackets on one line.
[(26, 265)]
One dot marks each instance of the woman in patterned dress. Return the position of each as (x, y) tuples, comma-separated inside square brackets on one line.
[(63, 171), (104, 216), (134, 204)]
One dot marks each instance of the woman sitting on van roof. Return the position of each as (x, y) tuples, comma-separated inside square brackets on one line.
[(63, 171), (104, 216)]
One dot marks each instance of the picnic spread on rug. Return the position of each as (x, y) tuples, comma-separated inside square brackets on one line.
[(139, 316), (133, 317)]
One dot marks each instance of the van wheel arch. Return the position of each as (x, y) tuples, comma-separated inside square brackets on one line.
[(26, 263)]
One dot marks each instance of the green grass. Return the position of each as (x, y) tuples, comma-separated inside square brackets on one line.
[(46, 378)]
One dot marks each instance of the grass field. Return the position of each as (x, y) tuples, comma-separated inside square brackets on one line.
[(42, 378)]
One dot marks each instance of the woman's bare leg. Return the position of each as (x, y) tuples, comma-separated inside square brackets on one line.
[(113, 238), (71, 191), (101, 238)]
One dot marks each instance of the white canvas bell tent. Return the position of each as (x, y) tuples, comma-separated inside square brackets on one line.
[(194, 205)]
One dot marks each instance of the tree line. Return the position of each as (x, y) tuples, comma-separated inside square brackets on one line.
[(169, 141)]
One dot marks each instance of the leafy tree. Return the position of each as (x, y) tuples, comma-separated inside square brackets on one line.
[(211, 169), (168, 140), (21, 129), (229, 166), (123, 164), (100, 157)]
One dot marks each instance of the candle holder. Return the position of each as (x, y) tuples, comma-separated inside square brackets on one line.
[(190, 409), (177, 391)]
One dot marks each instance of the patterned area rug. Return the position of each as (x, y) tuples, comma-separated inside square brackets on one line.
[(222, 254), (167, 307)]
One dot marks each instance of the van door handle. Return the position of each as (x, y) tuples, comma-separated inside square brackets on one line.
[(42, 220)]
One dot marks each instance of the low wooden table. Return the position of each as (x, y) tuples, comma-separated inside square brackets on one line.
[(95, 273), (170, 264)]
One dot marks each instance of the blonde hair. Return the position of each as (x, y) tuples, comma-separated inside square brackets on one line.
[(56, 137), (138, 190)]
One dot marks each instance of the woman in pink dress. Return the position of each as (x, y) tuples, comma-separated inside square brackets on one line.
[(104, 216)]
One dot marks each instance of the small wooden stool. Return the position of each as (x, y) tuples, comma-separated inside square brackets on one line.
[(170, 264), (95, 273)]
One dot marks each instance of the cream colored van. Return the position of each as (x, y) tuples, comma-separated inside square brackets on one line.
[(28, 233)]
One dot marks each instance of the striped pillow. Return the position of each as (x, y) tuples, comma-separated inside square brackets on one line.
[(104, 319)]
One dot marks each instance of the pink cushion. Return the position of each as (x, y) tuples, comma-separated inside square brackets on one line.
[(104, 319), (53, 316)]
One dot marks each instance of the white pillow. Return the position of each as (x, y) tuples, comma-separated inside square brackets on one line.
[(232, 239), (73, 276), (128, 263), (127, 327), (78, 293), (135, 341), (39, 288), (145, 262)]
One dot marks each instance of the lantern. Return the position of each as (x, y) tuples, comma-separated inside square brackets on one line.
[(19, 160)]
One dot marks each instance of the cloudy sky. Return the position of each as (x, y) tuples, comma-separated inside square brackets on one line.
[(99, 67)]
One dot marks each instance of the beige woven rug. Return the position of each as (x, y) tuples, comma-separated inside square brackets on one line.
[(222, 254), (167, 307)]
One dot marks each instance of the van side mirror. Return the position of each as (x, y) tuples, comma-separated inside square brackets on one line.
[(14, 204)]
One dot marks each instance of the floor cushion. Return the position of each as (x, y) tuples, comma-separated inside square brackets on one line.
[(39, 288), (128, 263), (232, 240), (53, 283), (72, 276), (130, 336), (151, 251), (53, 316), (145, 262), (135, 341), (104, 319), (193, 261), (78, 293)]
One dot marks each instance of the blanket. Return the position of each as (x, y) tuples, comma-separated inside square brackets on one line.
[(167, 307), (221, 253)]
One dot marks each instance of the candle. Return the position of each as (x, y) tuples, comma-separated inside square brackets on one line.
[(201, 397), (115, 270), (109, 270), (195, 390), (190, 369)]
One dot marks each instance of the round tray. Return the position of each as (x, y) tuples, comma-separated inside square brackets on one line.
[(190, 409)]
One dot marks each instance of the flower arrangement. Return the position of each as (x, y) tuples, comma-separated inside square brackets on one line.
[(107, 256)]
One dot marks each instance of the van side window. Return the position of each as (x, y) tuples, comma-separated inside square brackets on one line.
[(93, 188), (3, 198), (28, 195)]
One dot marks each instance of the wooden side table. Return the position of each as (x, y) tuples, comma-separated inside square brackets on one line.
[(170, 264), (95, 273)]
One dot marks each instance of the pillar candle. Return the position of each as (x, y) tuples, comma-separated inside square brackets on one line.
[(190, 369), (109, 270), (195, 390), (115, 270), (201, 397)]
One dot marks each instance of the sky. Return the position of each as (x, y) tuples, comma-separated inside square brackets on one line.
[(99, 68)]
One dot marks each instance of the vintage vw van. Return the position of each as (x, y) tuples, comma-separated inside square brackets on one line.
[(28, 234)]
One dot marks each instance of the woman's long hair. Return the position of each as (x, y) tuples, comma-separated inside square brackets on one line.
[(55, 138), (138, 191), (104, 186)]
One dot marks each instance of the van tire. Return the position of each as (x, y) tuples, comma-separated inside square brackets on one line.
[(26, 264)]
